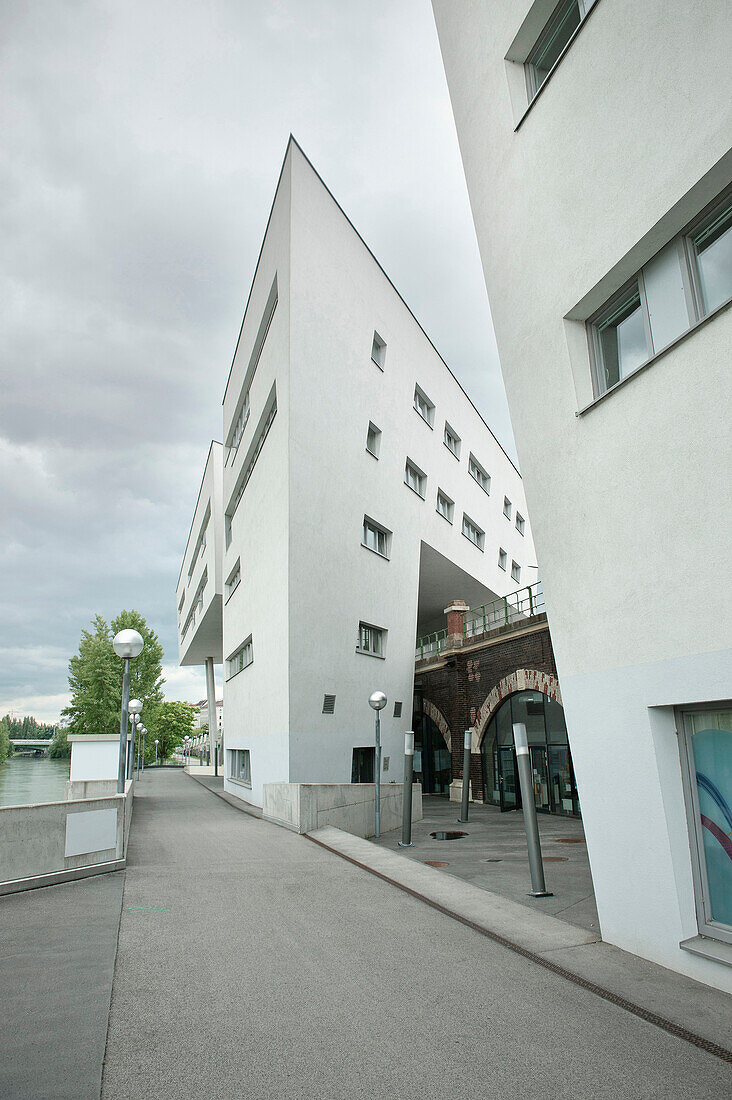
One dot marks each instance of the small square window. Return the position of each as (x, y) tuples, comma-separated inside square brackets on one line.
[(478, 474), (371, 640), (515, 571), (502, 559), (397, 710), (445, 506), (473, 532), (452, 441), (375, 537), (507, 507), (378, 351), (520, 523), (415, 479), (424, 406), (373, 439)]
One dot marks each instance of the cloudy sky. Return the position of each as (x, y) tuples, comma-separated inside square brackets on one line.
[(141, 144)]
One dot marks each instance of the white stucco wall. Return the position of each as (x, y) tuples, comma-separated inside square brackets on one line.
[(202, 638), (628, 501), (93, 758)]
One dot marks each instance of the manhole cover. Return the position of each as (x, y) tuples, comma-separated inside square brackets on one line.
[(569, 840), (448, 836), (436, 863), (555, 859)]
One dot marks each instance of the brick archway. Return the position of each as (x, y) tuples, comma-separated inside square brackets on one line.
[(523, 679), (438, 718)]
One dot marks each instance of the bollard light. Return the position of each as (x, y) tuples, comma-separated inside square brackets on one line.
[(157, 742), (521, 741), (463, 819), (406, 841)]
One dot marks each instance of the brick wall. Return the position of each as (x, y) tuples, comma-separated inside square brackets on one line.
[(460, 681)]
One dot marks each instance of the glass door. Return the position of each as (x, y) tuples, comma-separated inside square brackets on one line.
[(540, 779), (508, 779)]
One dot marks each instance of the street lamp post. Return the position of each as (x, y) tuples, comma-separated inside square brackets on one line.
[(377, 702), (141, 769), (127, 644), (156, 751), (134, 707)]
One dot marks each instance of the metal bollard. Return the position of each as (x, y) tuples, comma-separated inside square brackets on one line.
[(538, 886), (463, 819), (406, 841)]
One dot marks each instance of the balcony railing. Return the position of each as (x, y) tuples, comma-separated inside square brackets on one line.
[(510, 610)]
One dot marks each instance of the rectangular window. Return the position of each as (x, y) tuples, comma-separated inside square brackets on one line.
[(445, 506), (234, 580), (705, 737), (378, 351), (424, 406), (415, 479), (507, 507), (478, 474), (684, 282), (520, 523), (240, 767), (373, 439), (240, 659), (375, 537), (397, 709), (241, 416), (473, 532), (371, 640), (452, 441), (515, 572), (250, 461), (552, 41), (502, 559), (362, 765)]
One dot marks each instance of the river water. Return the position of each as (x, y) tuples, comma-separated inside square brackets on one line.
[(25, 779)]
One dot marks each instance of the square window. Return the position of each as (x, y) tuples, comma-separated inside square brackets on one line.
[(565, 19), (378, 351), (473, 532), (478, 474), (424, 406), (515, 572), (415, 479), (373, 439), (375, 537), (452, 441), (520, 523), (371, 640), (445, 506), (507, 507), (502, 559)]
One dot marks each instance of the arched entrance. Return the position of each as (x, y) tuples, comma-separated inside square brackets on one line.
[(432, 744), (555, 791)]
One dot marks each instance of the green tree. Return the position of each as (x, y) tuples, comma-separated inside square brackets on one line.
[(172, 722), (4, 740), (95, 676), (60, 747)]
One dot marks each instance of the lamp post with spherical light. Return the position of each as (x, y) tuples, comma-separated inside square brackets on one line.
[(127, 644), (377, 701)]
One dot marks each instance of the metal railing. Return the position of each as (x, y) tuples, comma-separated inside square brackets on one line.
[(430, 645), (509, 610)]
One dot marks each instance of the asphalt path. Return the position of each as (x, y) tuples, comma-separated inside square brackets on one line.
[(252, 963)]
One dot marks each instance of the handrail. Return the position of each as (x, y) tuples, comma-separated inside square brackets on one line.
[(514, 608), (430, 644)]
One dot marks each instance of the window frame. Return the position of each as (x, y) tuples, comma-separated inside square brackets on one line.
[(380, 530), (515, 569), (240, 650), (372, 429), (429, 417), (480, 543), (421, 476), (507, 507), (502, 559), (532, 87), (473, 461), (705, 923), (382, 633), (247, 781), (229, 589), (379, 345), (449, 516), (520, 524), (452, 434)]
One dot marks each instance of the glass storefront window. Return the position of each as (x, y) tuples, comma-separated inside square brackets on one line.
[(707, 759)]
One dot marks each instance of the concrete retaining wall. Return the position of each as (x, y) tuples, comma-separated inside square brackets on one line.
[(348, 806), (48, 842)]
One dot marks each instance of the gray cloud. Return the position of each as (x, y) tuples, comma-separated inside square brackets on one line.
[(141, 147)]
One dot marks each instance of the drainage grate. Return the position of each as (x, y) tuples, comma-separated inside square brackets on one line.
[(568, 840), (554, 859), (448, 836)]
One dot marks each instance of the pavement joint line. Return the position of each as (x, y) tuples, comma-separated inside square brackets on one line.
[(606, 994)]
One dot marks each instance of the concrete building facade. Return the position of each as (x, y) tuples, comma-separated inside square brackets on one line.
[(596, 144), (360, 489)]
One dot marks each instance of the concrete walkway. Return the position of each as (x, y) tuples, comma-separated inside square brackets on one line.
[(254, 963)]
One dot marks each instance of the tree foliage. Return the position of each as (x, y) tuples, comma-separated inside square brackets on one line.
[(172, 722), (60, 747), (95, 676), (27, 728), (4, 740)]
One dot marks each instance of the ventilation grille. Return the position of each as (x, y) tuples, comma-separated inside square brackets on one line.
[(329, 704), (397, 710)]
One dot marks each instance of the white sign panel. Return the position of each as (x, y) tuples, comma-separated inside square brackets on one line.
[(91, 831)]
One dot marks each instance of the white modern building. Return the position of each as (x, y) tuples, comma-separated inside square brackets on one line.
[(200, 588), (362, 491), (596, 143), (202, 714)]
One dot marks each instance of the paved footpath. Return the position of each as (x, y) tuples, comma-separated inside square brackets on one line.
[(254, 964)]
